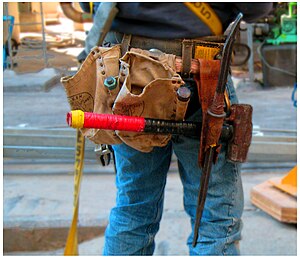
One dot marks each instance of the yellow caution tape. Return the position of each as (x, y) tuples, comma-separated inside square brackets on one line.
[(77, 119), (71, 247), (91, 7), (207, 15)]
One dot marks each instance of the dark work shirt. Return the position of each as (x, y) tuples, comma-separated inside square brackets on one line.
[(174, 20)]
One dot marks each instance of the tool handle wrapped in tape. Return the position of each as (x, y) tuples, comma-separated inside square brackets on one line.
[(80, 119), (237, 130)]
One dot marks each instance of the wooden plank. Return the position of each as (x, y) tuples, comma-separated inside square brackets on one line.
[(276, 203), (288, 188)]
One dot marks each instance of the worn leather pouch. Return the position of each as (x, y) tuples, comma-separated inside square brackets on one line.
[(86, 91), (148, 89)]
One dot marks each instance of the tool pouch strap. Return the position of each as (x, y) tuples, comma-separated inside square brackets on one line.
[(187, 55), (206, 81)]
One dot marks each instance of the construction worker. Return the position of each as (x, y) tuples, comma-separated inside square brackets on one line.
[(141, 176)]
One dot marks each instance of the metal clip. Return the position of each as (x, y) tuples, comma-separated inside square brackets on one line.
[(155, 53), (104, 152)]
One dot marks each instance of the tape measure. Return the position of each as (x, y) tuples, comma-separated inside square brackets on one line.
[(71, 247)]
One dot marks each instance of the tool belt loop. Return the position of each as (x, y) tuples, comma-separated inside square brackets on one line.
[(125, 45), (187, 55)]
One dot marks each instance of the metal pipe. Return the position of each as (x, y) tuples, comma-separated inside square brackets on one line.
[(11, 61), (251, 58), (44, 44)]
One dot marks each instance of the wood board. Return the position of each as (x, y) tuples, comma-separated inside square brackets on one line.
[(275, 202), (288, 188)]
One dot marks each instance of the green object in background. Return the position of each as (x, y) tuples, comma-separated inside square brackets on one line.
[(289, 22), (287, 31)]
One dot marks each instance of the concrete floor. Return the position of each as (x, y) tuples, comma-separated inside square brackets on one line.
[(50, 206)]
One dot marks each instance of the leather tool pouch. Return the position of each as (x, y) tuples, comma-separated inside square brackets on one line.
[(148, 89), (86, 91), (240, 115), (147, 85)]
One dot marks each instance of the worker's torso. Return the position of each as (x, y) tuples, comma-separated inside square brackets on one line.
[(175, 20)]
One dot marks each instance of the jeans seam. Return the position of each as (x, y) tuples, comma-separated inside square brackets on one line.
[(230, 212), (151, 236)]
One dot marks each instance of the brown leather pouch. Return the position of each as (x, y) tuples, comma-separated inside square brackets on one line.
[(86, 91), (148, 89), (147, 85)]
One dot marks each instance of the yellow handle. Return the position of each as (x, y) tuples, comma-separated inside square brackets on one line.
[(77, 119)]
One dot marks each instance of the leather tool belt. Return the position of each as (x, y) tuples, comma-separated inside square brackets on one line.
[(186, 50), (147, 82)]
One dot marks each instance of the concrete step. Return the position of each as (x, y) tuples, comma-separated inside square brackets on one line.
[(268, 145)]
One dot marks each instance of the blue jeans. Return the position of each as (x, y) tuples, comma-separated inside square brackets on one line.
[(141, 179)]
